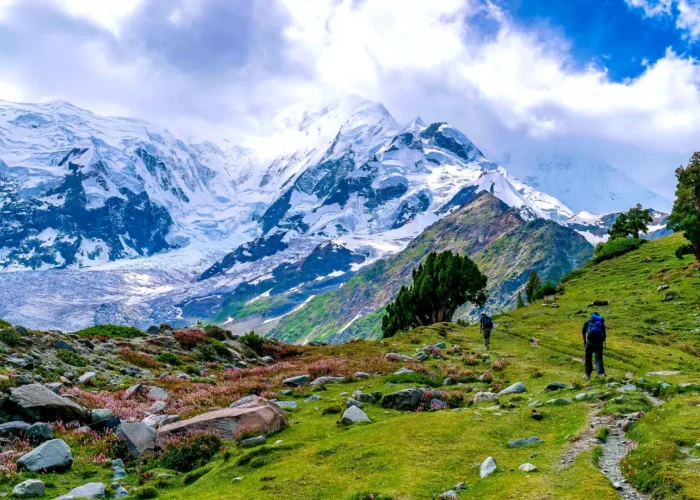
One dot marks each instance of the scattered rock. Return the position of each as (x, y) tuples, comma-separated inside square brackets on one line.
[(354, 415), (100, 415), (62, 344), (51, 456), (353, 402), (555, 386), (487, 468), (365, 398), (242, 401), (584, 395), (139, 437), (119, 491), (268, 360), (361, 375), (395, 356), (536, 415), (157, 394), (404, 400), (257, 415), (134, 390), (527, 467), (404, 370), (516, 388), (297, 381), (291, 405), (14, 429), (448, 494), (327, 380), (39, 432), (89, 490), (661, 288), (87, 377), (254, 441), (664, 373), (312, 398), (560, 401), (517, 443), (40, 404), (485, 397), (119, 469), (29, 489), (159, 406)]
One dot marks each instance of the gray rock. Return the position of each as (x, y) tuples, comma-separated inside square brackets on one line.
[(327, 380), (119, 469), (40, 404), (560, 401), (661, 288), (404, 370), (100, 415), (517, 443), (666, 373), (405, 400), (485, 397), (87, 377), (438, 404), (364, 398), (361, 375), (242, 401), (354, 415), (628, 388), (487, 468), (62, 344), (284, 392), (527, 467), (54, 386), (448, 381), (14, 429), (139, 437), (134, 390), (292, 405), (89, 490), (157, 394), (556, 386), (312, 398), (268, 360), (353, 402), (584, 395), (39, 432), (460, 487), (395, 356), (448, 494), (54, 455), (297, 381), (29, 489), (516, 388), (254, 441), (159, 406), (119, 491)]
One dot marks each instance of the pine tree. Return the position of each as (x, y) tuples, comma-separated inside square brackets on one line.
[(441, 284), (534, 283), (619, 227), (520, 304), (633, 222), (685, 215)]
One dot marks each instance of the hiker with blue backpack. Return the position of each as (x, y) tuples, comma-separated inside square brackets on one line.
[(594, 343), (486, 327)]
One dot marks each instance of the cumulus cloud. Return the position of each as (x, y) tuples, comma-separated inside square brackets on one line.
[(224, 68)]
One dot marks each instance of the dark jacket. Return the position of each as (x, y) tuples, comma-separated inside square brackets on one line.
[(584, 331)]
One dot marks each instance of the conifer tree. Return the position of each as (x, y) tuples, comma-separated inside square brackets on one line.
[(441, 284), (685, 216), (520, 304), (534, 283), (633, 222)]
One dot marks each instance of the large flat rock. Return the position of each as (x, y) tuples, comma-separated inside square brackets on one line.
[(40, 404), (259, 415)]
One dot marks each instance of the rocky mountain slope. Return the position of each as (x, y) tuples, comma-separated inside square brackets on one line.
[(372, 417), (504, 245)]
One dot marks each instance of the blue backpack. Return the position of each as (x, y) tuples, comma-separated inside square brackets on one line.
[(596, 327)]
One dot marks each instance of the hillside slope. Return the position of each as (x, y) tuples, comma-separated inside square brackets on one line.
[(505, 246)]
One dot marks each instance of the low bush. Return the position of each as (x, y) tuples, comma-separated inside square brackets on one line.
[(186, 453), (191, 477), (71, 358), (146, 492), (138, 359), (602, 434), (614, 248), (413, 378), (206, 352), (215, 332), (169, 358), (9, 336), (189, 338), (220, 348), (254, 341), (111, 331)]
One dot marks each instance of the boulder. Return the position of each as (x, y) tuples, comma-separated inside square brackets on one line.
[(51, 456), (14, 429), (365, 398), (485, 397), (354, 415), (242, 401), (516, 388), (87, 377), (62, 344), (119, 491), (100, 415), (405, 400), (40, 404), (39, 432), (257, 415), (134, 390), (89, 490), (157, 394), (29, 489), (159, 406), (297, 381), (517, 443), (312, 398), (327, 380), (488, 467), (139, 437)]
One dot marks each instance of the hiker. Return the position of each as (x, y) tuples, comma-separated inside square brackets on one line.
[(593, 343), (486, 326)]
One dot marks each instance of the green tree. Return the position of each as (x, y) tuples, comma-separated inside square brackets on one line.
[(633, 222), (534, 283), (441, 284), (520, 304), (685, 215)]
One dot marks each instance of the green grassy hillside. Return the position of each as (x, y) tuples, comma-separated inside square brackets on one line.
[(505, 247)]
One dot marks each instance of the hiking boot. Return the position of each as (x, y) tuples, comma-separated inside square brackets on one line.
[(586, 377)]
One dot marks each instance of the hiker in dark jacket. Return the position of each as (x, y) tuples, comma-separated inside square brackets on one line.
[(594, 335), (486, 326)]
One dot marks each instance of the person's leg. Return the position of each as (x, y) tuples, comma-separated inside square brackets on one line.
[(600, 368), (588, 359), (487, 337)]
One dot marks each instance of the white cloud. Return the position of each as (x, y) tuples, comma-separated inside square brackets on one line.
[(686, 12), (652, 8)]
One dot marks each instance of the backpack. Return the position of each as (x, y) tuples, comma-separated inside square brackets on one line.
[(487, 322), (596, 327)]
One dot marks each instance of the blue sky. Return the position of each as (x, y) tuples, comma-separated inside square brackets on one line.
[(607, 81)]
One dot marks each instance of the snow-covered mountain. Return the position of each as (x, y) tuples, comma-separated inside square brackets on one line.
[(144, 227), (590, 185), (595, 227)]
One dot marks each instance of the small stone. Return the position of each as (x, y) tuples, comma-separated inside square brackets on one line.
[(100, 415), (354, 415), (87, 378), (448, 494), (516, 443), (320, 381), (487, 468), (403, 371), (297, 381), (29, 489), (159, 406), (157, 394), (283, 392), (134, 390), (516, 388), (268, 360), (312, 398), (555, 386), (254, 441), (460, 487), (395, 356), (661, 288), (361, 375), (617, 485), (89, 490), (560, 401), (485, 397), (528, 467), (353, 402), (291, 405), (119, 469)]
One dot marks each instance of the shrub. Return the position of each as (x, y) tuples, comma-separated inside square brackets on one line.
[(169, 358), (191, 477), (364, 495), (220, 348), (215, 332), (499, 365), (615, 248), (332, 410), (111, 331), (206, 352), (189, 338), (547, 289), (254, 341), (138, 359), (193, 370), (71, 358), (186, 453), (413, 378), (146, 492), (602, 434), (470, 359), (690, 349), (9, 336)]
